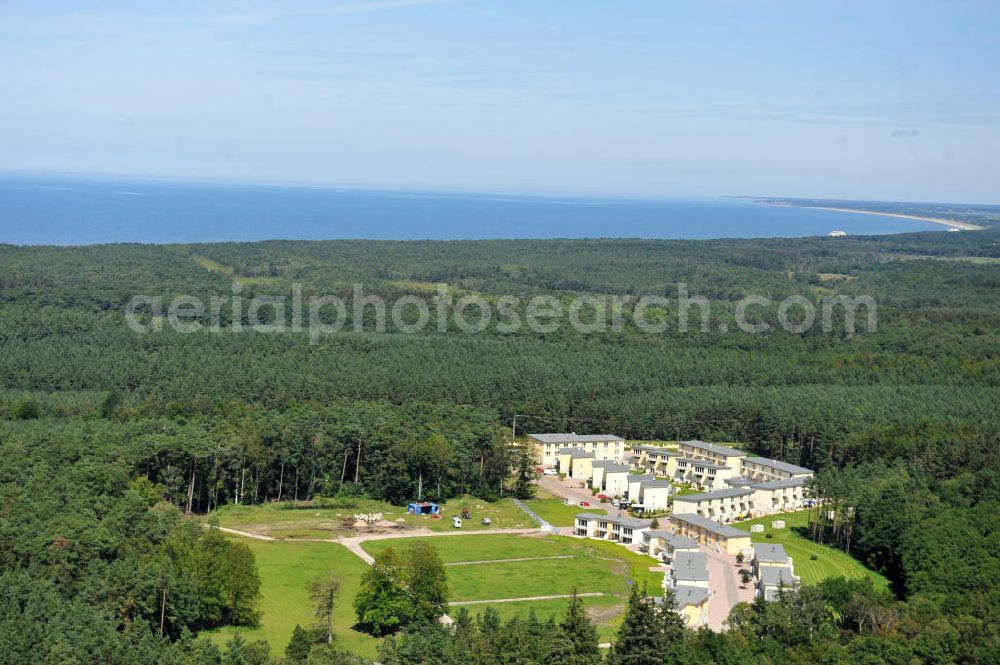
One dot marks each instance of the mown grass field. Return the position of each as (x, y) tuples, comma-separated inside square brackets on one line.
[(593, 567), (829, 561), (287, 566), (557, 513), (331, 518), (285, 569)]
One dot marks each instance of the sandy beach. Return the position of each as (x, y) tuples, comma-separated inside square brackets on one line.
[(964, 226)]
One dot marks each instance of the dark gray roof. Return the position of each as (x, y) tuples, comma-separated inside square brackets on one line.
[(714, 448), (575, 438), (610, 466), (672, 539), (780, 484), (690, 567), (641, 478), (576, 454), (778, 464), (730, 493), (770, 553), (685, 594), (656, 484), (709, 525), (776, 576)]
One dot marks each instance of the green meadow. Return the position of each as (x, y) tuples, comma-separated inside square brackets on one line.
[(285, 569), (828, 561), (484, 571)]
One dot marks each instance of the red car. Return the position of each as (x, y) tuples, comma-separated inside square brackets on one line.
[(603, 496), (585, 503)]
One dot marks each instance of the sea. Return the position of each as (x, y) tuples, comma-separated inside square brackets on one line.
[(69, 210)]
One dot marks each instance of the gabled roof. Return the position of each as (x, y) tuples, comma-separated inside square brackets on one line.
[(610, 466), (641, 478), (690, 567), (776, 576), (676, 541), (714, 448), (655, 484), (770, 553), (780, 484), (575, 453), (711, 526), (686, 594), (573, 437), (778, 464), (730, 493)]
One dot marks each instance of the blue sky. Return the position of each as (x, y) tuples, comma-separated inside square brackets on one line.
[(880, 100)]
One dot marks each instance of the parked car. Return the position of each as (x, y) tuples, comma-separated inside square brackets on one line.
[(585, 504), (550, 472), (602, 495)]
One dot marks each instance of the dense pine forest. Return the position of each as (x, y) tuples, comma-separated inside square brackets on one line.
[(115, 444)]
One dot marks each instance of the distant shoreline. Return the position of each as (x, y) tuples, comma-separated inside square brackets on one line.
[(951, 223)]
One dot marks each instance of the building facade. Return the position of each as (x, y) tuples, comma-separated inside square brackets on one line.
[(724, 506), (604, 472), (603, 446), (765, 470), (624, 530), (711, 533), (664, 545)]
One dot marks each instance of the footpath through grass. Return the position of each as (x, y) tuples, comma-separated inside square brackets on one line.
[(828, 561)]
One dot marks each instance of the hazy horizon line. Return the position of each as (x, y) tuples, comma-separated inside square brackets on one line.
[(442, 191)]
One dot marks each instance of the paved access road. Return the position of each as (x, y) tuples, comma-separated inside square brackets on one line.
[(725, 583), (570, 489)]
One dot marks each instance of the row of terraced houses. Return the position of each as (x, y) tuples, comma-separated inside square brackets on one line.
[(737, 487)]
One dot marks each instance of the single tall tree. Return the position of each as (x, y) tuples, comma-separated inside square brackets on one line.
[(426, 582), (323, 591), (640, 638), (298, 647), (576, 640), (382, 604)]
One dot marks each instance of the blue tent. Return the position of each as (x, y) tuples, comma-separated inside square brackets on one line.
[(422, 508)]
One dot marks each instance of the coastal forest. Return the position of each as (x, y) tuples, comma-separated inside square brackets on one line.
[(115, 444)]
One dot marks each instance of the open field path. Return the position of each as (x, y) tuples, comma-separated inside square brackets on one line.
[(592, 594), (526, 558), (353, 543), (245, 534)]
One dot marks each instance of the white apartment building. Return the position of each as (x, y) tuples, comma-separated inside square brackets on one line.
[(624, 530), (608, 476), (603, 446), (711, 452), (766, 470), (723, 506)]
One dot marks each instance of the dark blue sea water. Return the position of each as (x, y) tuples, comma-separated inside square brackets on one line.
[(75, 211)]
